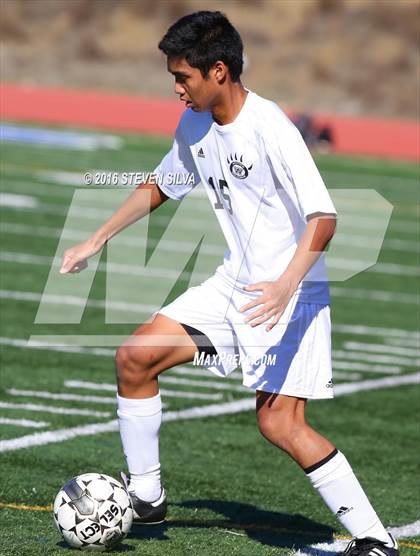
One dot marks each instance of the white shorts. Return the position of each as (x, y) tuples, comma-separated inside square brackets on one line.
[(293, 359)]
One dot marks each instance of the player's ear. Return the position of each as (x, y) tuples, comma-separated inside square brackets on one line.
[(220, 70)]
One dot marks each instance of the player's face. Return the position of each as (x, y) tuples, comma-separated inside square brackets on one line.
[(197, 92)]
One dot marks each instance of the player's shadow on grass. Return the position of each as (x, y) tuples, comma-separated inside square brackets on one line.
[(120, 548), (270, 528)]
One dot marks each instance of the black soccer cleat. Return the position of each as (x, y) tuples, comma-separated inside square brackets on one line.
[(149, 513), (146, 513), (371, 547)]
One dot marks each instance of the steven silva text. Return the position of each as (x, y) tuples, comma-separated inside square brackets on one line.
[(207, 360), (137, 178)]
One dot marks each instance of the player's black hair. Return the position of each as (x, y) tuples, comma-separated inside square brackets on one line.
[(203, 38)]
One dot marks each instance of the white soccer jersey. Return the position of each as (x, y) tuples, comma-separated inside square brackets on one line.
[(262, 183)]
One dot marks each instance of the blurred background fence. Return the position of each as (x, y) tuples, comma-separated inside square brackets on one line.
[(346, 56)]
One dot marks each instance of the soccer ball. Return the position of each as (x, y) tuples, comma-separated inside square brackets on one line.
[(93, 512)]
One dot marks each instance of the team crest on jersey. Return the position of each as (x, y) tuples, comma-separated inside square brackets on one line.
[(237, 167)]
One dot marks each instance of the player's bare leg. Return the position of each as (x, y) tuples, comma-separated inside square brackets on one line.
[(281, 419), (153, 348), (139, 363)]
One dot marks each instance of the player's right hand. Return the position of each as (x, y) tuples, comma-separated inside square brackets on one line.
[(75, 258)]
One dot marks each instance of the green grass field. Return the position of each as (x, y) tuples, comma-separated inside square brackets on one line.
[(230, 492)]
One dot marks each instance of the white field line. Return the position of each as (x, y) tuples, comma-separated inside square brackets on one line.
[(361, 241), (169, 274), (376, 295), (18, 201), (340, 375), (213, 384), (100, 215), (165, 274), (105, 400), (40, 439), (375, 358), (21, 343), (183, 246), (404, 227), (59, 435), (63, 139), (360, 329), (344, 365), (409, 342), (377, 268), (201, 204), (376, 383), (56, 396), (409, 530), (22, 186), (52, 409), (337, 547), (380, 348), (365, 368), (77, 235), (24, 423), (402, 245), (73, 300)]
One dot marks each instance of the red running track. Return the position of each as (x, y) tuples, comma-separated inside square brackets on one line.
[(128, 113)]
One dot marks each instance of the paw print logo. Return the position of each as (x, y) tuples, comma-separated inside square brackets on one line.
[(237, 168)]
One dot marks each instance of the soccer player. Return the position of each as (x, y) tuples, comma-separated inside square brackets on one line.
[(269, 298)]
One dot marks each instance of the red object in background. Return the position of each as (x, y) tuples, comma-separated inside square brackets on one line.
[(129, 113), (397, 139), (94, 109)]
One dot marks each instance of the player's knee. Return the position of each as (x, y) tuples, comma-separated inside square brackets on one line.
[(133, 365), (268, 426), (280, 430)]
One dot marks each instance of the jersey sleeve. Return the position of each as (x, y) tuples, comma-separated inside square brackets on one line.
[(177, 174), (295, 171)]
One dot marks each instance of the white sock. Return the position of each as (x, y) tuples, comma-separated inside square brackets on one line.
[(139, 422), (341, 491)]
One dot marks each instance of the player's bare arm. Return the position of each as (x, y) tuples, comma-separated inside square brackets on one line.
[(146, 198), (276, 295)]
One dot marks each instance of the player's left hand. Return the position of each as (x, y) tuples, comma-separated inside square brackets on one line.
[(274, 300)]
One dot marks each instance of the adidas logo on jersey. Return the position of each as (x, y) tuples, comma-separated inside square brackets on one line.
[(201, 153), (343, 511)]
